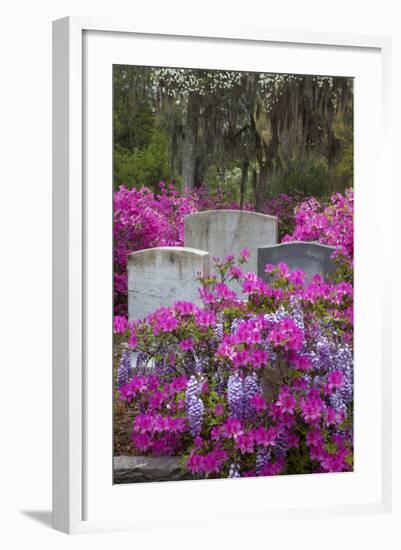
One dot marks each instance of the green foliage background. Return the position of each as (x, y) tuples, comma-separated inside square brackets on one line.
[(151, 126)]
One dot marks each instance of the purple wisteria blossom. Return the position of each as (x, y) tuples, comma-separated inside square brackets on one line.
[(236, 396), (124, 368), (240, 393), (234, 471), (251, 387), (141, 361), (342, 363), (263, 456), (194, 405), (296, 313), (331, 355)]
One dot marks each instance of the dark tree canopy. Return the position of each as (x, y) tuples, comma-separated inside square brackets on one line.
[(255, 134)]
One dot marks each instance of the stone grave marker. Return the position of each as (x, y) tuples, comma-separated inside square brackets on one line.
[(224, 232), (311, 257), (161, 276)]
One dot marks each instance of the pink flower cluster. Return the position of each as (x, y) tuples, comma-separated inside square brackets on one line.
[(145, 220), (287, 335), (331, 224), (157, 393), (242, 347), (208, 463), (283, 206), (157, 423), (155, 431), (241, 388)]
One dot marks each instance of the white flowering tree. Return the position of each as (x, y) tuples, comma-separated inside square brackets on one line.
[(253, 121), (256, 117)]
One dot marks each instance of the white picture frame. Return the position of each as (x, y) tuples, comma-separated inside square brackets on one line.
[(70, 257)]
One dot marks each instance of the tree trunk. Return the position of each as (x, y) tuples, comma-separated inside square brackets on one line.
[(244, 180), (200, 168), (332, 150), (190, 141), (261, 186), (254, 185)]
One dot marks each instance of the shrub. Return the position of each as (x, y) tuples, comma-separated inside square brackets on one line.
[(283, 206), (243, 388), (142, 220), (332, 224)]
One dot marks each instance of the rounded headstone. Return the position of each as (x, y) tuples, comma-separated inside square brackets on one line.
[(161, 276)]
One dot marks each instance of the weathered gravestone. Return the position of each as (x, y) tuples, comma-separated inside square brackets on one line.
[(311, 257), (224, 232), (161, 276)]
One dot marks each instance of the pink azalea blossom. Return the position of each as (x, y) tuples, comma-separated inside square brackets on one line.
[(258, 402), (205, 319), (236, 272), (286, 401), (187, 345), (311, 407), (314, 438), (245, 443), (336, 379), (269, 268), (260, 357), (263, 436), (120, 324), (232, 427)]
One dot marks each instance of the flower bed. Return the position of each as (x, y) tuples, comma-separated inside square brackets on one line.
[(245, 388)]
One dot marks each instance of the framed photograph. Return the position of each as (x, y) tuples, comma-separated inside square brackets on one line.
[(220, 285)]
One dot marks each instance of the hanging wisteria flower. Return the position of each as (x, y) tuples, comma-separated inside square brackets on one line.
[(236, 396), (195, 407), (234, 471), (124, 368), (251, 388), (262, 459)]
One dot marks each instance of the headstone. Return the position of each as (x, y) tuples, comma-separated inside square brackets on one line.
[(224, 232), (161, 276), (311, 257)]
